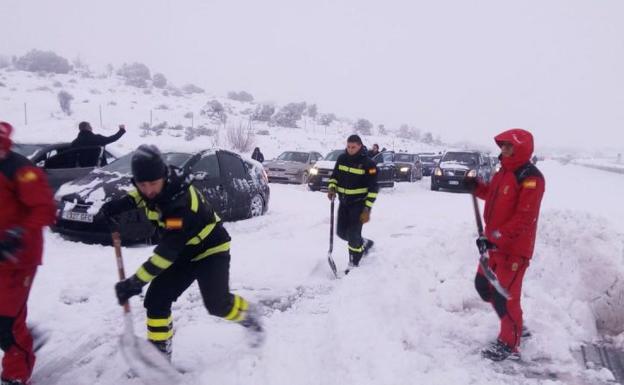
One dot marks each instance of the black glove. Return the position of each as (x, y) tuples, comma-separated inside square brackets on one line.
[(128, 288), (471, 183), (11, 243), (483, 244)]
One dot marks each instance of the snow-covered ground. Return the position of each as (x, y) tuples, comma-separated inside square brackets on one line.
[(408, 315)]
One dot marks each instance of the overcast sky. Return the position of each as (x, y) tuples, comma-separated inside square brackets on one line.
[(457, 67)]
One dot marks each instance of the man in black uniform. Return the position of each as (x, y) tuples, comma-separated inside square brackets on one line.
[(354, 179), (88, 156), (194, 246)]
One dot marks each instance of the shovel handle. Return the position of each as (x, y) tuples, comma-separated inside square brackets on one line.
[(120, 265)]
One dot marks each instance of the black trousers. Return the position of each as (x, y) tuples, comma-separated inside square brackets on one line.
[(349, 228), (212, 275)]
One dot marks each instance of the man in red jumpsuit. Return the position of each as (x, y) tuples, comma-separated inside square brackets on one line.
[(26, 207), (512, 204)]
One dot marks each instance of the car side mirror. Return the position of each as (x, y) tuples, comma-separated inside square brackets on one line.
[(200, 175)]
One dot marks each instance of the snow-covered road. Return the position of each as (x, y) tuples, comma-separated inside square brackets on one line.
[(408, 315)]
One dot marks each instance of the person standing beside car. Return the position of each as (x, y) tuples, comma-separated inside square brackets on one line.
[(354, 180), (512, 206), (89, 142), (27, 207), (257, 155), (194, 246)]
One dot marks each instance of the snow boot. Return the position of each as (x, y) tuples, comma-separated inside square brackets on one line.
[(165, 347), (252, 324), (368, 245), (12, 382), (526, 333), (499, 351)]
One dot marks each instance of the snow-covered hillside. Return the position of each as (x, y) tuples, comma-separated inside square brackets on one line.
[(25, 93)]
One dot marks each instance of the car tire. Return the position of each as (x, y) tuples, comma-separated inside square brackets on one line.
[(256, 206), (434, 187)]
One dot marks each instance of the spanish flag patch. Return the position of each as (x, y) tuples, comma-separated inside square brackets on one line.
[(531, 183), (173, 224), (28, 176), (372, 171)]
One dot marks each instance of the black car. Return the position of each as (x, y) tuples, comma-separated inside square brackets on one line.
[(236, 188), (408, 167), (455, 166), (322, 170), (429, 162), (63, 163)]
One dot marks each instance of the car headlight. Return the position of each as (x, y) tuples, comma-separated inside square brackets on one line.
[(404, 169), (472, 173), (313, 171), (438, 171)]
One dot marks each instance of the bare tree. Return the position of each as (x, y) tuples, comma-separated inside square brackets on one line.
[(241, 139), (65, 99)]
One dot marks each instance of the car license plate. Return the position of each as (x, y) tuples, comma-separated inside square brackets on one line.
[(454, 182), (78, 217)]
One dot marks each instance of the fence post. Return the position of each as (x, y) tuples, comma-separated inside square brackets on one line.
[(151, 125), (25, 115), (101, 125)]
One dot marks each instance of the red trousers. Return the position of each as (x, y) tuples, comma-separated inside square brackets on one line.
[(510, 272), (15, 339)]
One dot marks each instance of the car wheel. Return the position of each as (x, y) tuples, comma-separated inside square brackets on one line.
[(434, 187), (256, 207), (304, 178)]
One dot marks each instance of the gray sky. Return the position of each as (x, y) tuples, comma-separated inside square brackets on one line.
[(460, 68)]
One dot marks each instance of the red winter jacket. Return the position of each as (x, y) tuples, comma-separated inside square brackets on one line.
[(26, 201), (513, 197)]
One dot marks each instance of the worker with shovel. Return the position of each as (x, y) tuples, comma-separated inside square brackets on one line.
[(194, 247)]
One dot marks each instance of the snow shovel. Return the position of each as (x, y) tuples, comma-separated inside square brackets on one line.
[(330, 260), (484, 258), (147, 363)]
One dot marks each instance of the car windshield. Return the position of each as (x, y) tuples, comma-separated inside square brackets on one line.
[(27, 150), (123, 164), (404, 158), (333, 156), (291, 156), (427, 159), (466, 158)]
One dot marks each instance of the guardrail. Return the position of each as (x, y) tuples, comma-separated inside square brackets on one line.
[(618, 170)]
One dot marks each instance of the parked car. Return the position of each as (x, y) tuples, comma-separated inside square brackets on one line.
[(322, 170), (237, 188), (291, 166), (429, 162), (409, 167), (61, 162), (455, 166)]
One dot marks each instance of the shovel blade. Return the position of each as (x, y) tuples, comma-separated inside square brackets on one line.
[(147, 363)]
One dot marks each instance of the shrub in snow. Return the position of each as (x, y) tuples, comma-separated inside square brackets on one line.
[(427, 138), (242, 96), (2, 84), (159, 80), (5, 62), (192, 89), (191, 133), (153, 130), (407, 132), (326, 119), (240, 139), (94, 91), (65, 99), (289, 115), (135, 74), (382, 129), (43, 61), (363, 126), (263, 132), (162, 107), (263, 113), (188, 115), (312, 111), (214, 111), (57, 84)]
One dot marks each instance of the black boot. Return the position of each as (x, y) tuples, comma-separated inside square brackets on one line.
[(526, 333), (368, 245), (12, 382), (252, 324), (165, 347), (499, 351)]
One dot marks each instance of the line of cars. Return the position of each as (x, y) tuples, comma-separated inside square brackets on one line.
[(236, 187)]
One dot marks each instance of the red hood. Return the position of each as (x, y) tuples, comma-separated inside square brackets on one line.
[(522, 141)]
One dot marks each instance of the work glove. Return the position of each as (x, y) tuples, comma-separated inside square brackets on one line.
[(484, 244), (331, 193), (11, 244), (122, 128), (128, 288), (365, 215), (105, 215)]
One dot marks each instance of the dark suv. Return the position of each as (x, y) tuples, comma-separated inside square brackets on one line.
[(455, 166)]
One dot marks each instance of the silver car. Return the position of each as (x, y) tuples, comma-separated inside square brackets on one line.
[(291, 166)]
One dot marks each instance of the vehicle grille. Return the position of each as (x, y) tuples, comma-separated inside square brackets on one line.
[(454, 172), (324, 172), (277, 169)]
